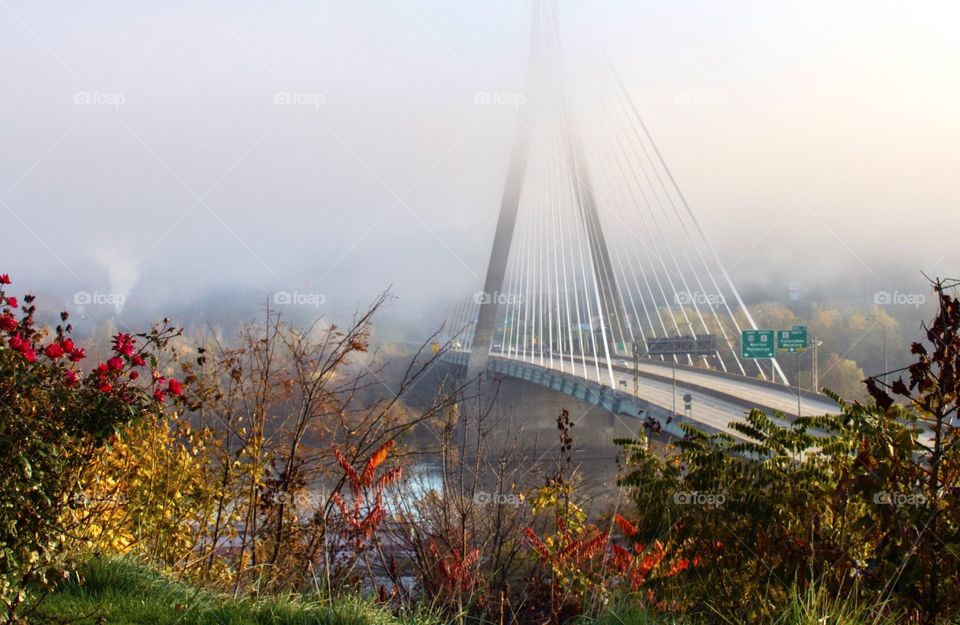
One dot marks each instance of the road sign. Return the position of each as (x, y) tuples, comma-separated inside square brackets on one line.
[(756, 343), (699, 345), (794, 340)]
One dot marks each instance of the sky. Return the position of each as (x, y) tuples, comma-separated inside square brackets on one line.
[(174, 152)]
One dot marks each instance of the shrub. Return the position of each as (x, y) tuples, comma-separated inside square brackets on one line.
[(54, 419), (866, 496)]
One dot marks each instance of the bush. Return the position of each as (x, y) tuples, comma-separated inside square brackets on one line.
[(54, 419), (866, 498)]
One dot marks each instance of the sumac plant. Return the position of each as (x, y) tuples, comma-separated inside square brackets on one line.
[(56, 414)]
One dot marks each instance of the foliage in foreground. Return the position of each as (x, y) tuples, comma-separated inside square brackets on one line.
[(866, 498), (122, 592), (55, 418)]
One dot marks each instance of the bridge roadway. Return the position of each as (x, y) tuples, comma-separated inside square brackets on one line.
[(718, 397), (752, 392)]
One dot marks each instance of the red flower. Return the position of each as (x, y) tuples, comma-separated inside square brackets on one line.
[(8, 323), (123, 344), (22, 346), (12, 302), (134, 375), (102, 367), (105, 387), (157, 377), (138, 360), (159, 395), (115, 364), (53, 351), (67, 345), (4, 278), (175, 387), (77, 354), (71, 377)]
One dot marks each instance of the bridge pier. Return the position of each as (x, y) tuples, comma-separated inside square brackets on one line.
[(523, 414)]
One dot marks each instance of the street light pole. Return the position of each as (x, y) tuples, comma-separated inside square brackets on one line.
[(816, 365), (883, 335), (674, 415), (798, 384)]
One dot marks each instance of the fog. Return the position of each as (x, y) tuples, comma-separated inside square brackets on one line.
[(196, 157)]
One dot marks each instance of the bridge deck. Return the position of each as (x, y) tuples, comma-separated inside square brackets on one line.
[(718, 398)]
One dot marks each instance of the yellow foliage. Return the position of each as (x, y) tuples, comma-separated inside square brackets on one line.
[(148, 492)]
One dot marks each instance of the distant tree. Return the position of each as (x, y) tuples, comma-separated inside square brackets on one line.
[(843, 376)]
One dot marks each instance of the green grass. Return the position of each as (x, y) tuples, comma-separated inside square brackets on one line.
[(123, 592), (815, 607), (812, 606)]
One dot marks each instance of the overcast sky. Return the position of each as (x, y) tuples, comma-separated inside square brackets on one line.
[(167, 149)]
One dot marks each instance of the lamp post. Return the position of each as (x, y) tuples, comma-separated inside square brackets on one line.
[(815, 365), (883, 335), (673, 414)]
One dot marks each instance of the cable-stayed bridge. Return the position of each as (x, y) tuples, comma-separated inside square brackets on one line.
[(601, 282)]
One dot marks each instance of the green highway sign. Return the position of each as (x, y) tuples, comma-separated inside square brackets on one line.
[(794, 340), (756, 343)]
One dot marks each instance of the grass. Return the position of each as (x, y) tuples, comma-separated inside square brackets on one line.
[(812, 606), (122, 592)]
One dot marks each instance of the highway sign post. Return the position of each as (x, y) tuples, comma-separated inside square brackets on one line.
[(794, 340), (757, 344)]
